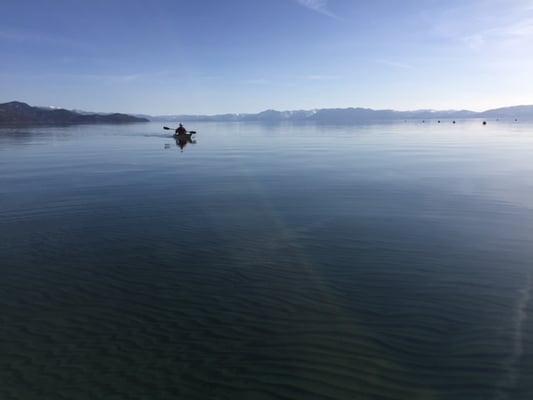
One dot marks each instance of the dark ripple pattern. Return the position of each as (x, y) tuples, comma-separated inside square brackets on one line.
[(256, 266)]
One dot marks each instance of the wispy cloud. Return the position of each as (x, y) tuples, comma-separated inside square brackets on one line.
[(257, 81), (92, 78), (506, 33), (395, 64), (35, 38), (489, 23), (319, 6), (112, 78), (322, 77)]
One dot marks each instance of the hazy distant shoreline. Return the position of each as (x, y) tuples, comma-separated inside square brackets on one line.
[(352, 115), (17, 113)]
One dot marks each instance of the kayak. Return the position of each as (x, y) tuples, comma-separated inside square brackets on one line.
[(184, 135), (182, 139)]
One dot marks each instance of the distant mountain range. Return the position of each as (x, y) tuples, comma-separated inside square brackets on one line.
[(15, 113), (22, 113), (352, 115)]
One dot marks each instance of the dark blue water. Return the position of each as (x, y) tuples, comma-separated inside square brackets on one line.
[(389, 261)]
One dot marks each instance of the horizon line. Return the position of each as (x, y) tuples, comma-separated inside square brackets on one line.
[(274, 109)]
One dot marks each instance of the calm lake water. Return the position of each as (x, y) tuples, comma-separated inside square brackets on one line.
[(385, 261)]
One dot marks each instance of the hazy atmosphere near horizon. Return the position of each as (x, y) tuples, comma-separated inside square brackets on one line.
[(210, 56), (266, 200)]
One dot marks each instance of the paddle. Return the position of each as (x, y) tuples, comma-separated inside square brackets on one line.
[(172, 129)]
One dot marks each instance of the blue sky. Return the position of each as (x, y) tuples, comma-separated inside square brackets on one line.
[(216, 56)]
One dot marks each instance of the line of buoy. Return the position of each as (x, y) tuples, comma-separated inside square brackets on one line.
[(454, 122)]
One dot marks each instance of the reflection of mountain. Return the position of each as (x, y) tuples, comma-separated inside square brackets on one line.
[(350, 115), (22, 113)]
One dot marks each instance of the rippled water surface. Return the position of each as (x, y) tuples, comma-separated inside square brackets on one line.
[(388, 261)]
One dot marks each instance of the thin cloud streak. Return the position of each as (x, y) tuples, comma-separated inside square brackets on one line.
[(95, 78), (322, 77), (395, 64), (319, 6), (36, 37), (258, 81)]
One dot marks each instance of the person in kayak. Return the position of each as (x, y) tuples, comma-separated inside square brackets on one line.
[(181, 130)]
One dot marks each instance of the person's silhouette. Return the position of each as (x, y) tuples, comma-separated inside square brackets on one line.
[(181, 130)]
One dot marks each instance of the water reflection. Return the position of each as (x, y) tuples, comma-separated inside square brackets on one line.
[(183, 140), (224, 275)]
